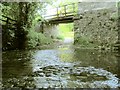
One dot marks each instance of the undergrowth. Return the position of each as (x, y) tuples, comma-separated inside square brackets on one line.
[(36, 39)]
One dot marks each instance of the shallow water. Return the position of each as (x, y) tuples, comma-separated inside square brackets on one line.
[(62, 67)]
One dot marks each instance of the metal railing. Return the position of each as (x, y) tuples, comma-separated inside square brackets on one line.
[(64, 11)]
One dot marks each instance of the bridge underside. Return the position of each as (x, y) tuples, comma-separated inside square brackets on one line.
[(57, 20)]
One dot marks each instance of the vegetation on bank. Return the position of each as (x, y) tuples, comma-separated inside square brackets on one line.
[(66, 30), (26, 14), (36, 39)]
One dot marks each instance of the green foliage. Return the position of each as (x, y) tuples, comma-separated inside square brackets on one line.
[(85, 42), (1, 6), (27, 15), (7, 9), (68, 2), (66, 27), (8, 39), (118, 4), (114, 16), (36, 39), (66, 30), (60, 37), (64, 2)]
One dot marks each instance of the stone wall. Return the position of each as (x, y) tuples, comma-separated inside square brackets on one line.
[(97, 28), (92, 6)]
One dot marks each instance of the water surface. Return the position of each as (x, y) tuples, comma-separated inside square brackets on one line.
[(62, 67)]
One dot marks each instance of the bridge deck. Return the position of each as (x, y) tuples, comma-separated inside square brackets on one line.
[(63, 19), (64, 14)]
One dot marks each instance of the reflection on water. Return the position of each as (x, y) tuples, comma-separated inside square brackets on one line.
[(65, 66)]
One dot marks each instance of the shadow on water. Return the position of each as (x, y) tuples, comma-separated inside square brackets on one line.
[(16, 68), (64, 67)]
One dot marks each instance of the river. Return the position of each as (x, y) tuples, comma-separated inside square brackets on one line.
[(63, 67)]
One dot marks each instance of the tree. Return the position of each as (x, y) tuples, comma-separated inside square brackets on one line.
[(25, 14)]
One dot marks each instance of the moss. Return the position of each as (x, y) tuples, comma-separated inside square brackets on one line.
[(114, 17), (101, 32), (85, 42)]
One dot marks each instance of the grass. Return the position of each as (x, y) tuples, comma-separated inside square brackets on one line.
[(66, 30)]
